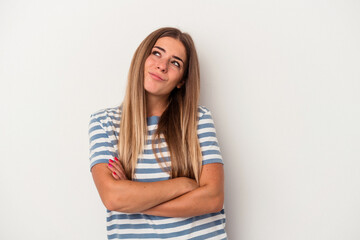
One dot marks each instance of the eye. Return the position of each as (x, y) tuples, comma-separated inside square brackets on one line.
[(176, 63), (156, 53)]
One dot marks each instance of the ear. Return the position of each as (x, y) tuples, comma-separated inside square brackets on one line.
[(180, 84)]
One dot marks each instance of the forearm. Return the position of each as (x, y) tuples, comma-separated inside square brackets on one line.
[(131, 196), (200, 201)]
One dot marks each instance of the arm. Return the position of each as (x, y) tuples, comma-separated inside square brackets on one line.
[(130, 196), (208, 198), (124, 195)]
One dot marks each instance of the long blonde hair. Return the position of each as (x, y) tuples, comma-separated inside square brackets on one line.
[(178, 123)]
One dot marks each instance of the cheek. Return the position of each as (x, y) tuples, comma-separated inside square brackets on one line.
[(150, 61), (147, 63), (177, 75)]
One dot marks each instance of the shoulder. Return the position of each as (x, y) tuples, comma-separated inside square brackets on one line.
[(106, 114), (106, 117), (203, 113), (207, 137), (205, 120)]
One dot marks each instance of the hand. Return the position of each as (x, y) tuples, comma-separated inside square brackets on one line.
[(117, 169)]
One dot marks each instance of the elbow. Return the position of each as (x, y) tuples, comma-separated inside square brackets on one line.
[(110, 197), (215, 200), (110, 205), (218, 208), (119, 204), (217, 204), (110, 202)]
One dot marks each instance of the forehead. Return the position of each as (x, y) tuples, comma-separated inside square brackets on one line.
[(172, 47)]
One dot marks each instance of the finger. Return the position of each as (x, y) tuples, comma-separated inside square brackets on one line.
[(122, 176), (121, 167), (118, 162), (115, 176), (115, 165), (122, 173), (118, 166), (118, 175), (113, 170)]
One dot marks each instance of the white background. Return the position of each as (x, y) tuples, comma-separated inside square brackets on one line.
[(282, 79)]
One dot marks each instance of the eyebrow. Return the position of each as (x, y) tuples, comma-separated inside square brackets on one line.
[(176, 57)]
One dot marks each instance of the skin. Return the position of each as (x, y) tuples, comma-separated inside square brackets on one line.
[(163, 71), (207, 198), (134, 197), (178, 197)]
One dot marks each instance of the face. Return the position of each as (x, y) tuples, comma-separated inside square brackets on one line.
[(164, 67)]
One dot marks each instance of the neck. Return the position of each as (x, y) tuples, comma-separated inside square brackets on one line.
[(155, 105)]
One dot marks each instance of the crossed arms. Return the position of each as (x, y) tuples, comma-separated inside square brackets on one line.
[(178, 197)]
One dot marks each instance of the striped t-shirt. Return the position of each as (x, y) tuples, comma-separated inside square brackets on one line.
[(104, 134)]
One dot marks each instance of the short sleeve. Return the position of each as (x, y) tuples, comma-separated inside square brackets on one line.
[(102, 144), (207, 137)]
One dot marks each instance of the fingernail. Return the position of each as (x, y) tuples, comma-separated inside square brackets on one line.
[(114, 173), (116, 159), (111, 160), (110, 165)]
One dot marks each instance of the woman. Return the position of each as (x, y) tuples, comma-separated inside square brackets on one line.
[(155, 160)]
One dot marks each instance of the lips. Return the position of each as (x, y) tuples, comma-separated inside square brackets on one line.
[(156, 77)]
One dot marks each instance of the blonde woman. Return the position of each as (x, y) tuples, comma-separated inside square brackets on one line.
[(155, 160)]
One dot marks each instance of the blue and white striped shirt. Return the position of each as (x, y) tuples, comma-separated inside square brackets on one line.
[(104, 133)]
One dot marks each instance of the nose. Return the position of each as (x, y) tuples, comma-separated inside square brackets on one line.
[(162, 65)]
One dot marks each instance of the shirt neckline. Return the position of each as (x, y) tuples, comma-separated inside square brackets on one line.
[(152, 120)]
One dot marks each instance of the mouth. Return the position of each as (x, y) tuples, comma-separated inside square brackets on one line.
[(156, 77)]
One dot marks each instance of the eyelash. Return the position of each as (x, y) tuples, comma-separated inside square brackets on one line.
[(176, 63), (155, 52)]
